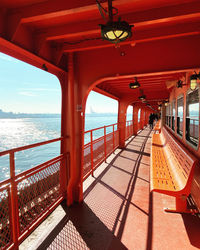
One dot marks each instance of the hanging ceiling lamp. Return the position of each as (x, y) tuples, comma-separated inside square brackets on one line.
[(135, 84), (115, 31), (194, 80), (142, 97), (166, 103)]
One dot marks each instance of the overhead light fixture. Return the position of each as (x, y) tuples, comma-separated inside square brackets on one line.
[(142, 97), (135, 84), (166, 103), (194, 80), (115, 31)]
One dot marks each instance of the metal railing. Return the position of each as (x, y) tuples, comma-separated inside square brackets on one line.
[(129, 129), (103, 141), (27, 198)]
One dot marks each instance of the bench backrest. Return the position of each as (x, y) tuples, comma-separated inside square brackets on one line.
[(182, 160)]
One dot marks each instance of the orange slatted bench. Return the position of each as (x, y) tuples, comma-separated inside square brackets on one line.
[(157, 127), (172, 169)]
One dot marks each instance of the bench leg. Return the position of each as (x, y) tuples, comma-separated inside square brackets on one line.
[(181, 206)]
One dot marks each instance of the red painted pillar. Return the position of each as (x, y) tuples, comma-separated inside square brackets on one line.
[(74, 123), (147, 117), (122, 123), (135, 120), (64, 169), (142, 118)]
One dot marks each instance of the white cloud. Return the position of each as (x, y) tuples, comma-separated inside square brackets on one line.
[(25, 93), (40, 89)]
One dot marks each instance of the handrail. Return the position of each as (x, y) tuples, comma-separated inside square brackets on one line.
[(13, 150), (100, 128)]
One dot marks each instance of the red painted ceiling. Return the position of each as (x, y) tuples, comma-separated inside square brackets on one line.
[(50, 29)]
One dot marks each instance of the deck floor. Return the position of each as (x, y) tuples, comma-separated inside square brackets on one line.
[(119, 212)]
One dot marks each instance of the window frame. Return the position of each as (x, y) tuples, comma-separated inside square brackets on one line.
[(179, 97), (173, 103), (169, 115), (196, 147)]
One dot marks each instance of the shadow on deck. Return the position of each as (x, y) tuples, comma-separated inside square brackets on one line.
[(119, 212)]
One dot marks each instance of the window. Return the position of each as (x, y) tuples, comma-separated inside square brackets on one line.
[(173, 116), (180, 116), (169, 115), (139, 114), (192, 117)]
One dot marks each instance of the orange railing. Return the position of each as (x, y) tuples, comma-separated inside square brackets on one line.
[(27, 198), (102, 142), (129, 129)]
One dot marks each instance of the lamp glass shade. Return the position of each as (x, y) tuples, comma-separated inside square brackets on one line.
[(166, 104), (134, 85), (116, 34), (116, 31), (193, 84), (142, 97)]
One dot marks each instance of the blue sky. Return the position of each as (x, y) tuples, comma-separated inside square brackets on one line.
[(27, 89)]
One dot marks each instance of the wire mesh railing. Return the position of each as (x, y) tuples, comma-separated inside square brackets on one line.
[(103, 141), (27, 198), (129, 129)]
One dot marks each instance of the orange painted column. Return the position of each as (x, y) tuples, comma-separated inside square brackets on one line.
[(163, 114), (64, 169), (74, 189), (147, 117), (142, 118), (135, 120), (122, 123)]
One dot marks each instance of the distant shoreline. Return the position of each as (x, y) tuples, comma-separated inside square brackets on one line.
[(11, 115)]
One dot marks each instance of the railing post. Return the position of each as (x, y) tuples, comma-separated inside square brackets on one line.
[(113, 137), (14, 203), (105, 141), (91, 147)]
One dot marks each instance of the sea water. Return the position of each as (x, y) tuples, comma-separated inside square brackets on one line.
[(20, 132)]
